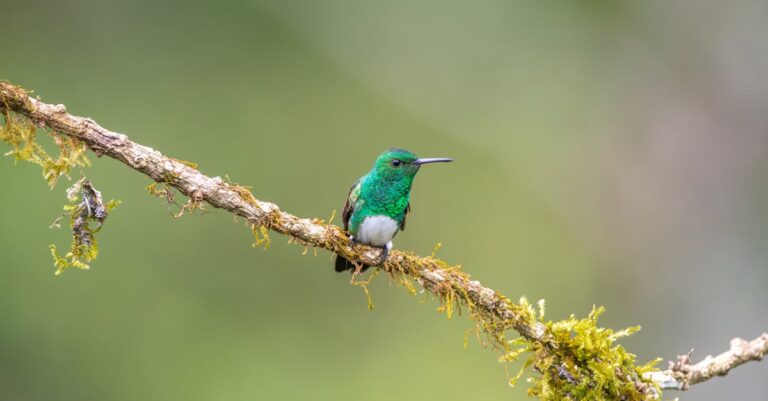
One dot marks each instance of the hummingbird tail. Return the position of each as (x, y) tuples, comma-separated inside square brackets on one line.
[(343, 264)]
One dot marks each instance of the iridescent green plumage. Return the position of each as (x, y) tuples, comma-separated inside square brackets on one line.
[(379, 201)]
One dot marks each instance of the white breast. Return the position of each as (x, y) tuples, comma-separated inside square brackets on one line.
[(376, 230)]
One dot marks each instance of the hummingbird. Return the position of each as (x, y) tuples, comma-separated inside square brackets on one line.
[(379, 201)]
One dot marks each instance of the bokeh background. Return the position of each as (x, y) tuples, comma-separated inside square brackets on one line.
[(608, 152)]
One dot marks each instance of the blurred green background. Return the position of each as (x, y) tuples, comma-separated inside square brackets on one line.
[(610, 153)]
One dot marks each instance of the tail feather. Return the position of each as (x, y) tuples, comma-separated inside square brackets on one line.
[(343, 264)]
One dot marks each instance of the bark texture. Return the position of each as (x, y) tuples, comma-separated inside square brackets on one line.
[(681, 374)]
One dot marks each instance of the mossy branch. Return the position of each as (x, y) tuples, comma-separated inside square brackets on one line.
[(574, 358)]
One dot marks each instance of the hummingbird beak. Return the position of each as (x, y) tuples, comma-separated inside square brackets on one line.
[(431, 160)]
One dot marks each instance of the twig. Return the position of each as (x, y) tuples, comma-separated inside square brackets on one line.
[(681, 374)]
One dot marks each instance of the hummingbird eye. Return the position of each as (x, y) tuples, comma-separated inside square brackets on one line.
[(396, 162)]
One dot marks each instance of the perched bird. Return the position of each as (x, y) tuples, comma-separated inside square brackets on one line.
[(378, 202)]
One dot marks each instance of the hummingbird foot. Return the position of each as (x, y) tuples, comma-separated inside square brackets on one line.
[(343, 264), (384, 253)]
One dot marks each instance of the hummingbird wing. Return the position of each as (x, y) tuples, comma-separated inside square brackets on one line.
[(407, 209), (349, 205)]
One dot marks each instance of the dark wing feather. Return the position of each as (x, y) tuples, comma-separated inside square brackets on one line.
[(349, 205), (407, 209), (346, 214)]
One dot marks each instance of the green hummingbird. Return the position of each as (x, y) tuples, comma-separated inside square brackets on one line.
[(378, 202)]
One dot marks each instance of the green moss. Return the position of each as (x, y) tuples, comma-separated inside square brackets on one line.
[(87, 213), (588, 364), (364, 284), (161, 190), (21, 135), (185, 162), (261, 236), (193, 205), (243, 191)]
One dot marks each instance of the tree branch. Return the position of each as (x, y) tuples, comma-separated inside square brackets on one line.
[(558, 357), (681, 374), (432, 273)]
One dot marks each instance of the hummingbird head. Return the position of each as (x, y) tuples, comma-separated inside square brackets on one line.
[(400, 164)]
